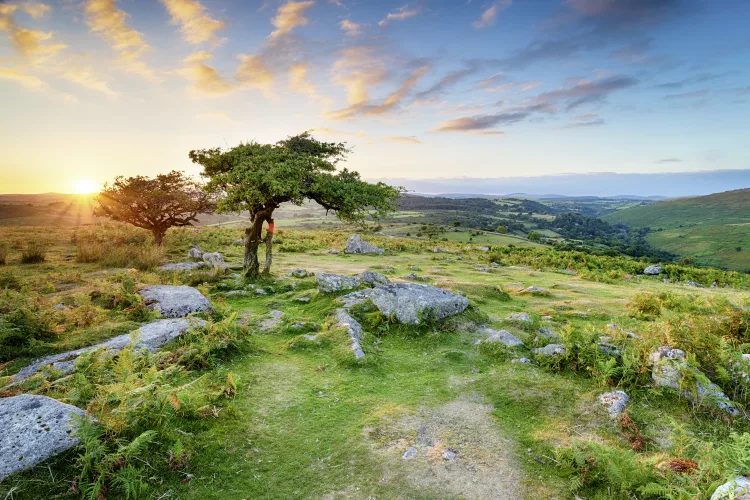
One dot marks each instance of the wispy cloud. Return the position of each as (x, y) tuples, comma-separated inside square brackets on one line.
[(90, 80), (358, 69), (515, 86), (35, 46), (350, 28), (489, 15), (35, 9), (584, 124), (365, 108), (403, 12), (586, 91), (289, 16), (26, 80), (206, 80), (669, 160), (403, 139), (491, 80), (195, 24), (103, 17), (254, 73), (687, 95), (480, 123)]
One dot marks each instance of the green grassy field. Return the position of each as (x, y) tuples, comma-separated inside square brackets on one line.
[(307, 421), (714, 229)]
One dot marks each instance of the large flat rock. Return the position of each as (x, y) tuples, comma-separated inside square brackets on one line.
[(150, 336), (330, 283), (174, 301), (355, 244), (34, 428), (411, 303)]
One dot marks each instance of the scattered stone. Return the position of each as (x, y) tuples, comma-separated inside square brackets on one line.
[(653, 270), (35, 428), (305, 299), (615, 402), (412, 276), (174, 301), (522, 316), (272, 320), (414, 268), (669, 370), (449, 455), (412, 303), (483, 270), (258, 290), (195, 253), (298, 325), (547, 333), (61, 307), (521, 361), (237, 293), (299, 273), (409, 453), (372, 278), (310, 336), (483, 249), (239, 242), (533, 289), (566, 271), (353, 329), (215, 260), (546, 318), (608, 349), (355, 244), (181, 266), (150, 336), (502, 336), (550, 350), (736, 489), (328, 282), (334, 251)]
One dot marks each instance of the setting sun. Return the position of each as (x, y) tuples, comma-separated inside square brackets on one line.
[(84, 186)]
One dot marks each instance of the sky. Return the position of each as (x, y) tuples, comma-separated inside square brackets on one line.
[(93, 89)]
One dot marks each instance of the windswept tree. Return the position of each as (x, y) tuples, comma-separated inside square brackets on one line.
[(168, 200), (258, 178)]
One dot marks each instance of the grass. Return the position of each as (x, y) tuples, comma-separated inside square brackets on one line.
[(308, 422), (711, 229)]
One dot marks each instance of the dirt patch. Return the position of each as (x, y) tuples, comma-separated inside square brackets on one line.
[(457, 451)]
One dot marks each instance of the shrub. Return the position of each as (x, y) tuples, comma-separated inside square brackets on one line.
[(645, 305), (3, 253), (35, 252)]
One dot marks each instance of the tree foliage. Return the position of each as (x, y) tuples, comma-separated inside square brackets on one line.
[(258, 178), (167, 200)]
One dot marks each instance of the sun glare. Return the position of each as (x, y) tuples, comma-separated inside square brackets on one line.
[(84, 186)]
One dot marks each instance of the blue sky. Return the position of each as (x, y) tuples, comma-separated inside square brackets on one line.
[(431, 89)]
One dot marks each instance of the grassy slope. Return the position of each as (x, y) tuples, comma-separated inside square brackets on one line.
[(296, 430), (708, 228)]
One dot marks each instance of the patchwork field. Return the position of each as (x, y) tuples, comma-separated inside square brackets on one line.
[(713, 230), (278, 407)]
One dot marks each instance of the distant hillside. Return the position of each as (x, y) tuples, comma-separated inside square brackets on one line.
[(713, 229)]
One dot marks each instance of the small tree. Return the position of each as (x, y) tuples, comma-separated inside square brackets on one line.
[(534, 236), (501, 229), (168, 200), (258, 178)]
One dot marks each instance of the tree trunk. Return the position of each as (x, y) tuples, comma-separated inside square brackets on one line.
[(158, 236), (253, 240), (269, 248)]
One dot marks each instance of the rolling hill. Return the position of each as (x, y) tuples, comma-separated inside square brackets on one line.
[(713, 229)]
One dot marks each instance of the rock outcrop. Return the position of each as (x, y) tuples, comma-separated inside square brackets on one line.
[(174, 301), (353, 329), (550, 350), (329, 283), (615, 402), (736, 489), (215, 260), (372, 278), (412, 303), (195, 253), (181, 266), (501, 336), (653, 270), (355, 244), (670, 369), (150, 336), (34, 428)]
